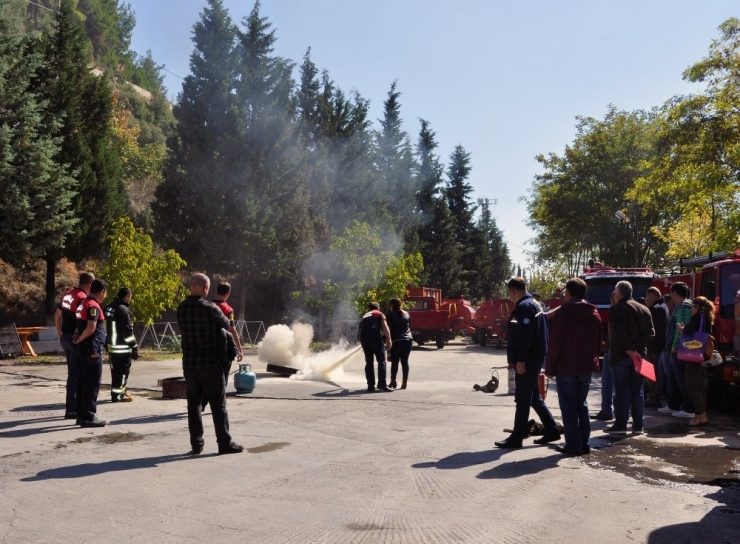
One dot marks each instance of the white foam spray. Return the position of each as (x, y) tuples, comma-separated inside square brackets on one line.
[(289, 346)]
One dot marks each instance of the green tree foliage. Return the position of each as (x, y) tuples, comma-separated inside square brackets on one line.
[(457, 193), (696, 168), (491, 262), (369, 271), (395, 166), (83, 102), (573, 202), (35, 211), (150, 273), (437, 228)]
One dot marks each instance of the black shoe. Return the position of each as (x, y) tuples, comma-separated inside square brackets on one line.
[(547, 437), (603, 416), (385, 389), (70, 415), (587, 450), (115, 398), (197, 450), (370, 389), (230, 448), (92, 423), (509, 443), (614, 430), (565, 451)]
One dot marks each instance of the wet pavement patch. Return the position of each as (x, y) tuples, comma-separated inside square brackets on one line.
[(270, 446), (109, 438), (655, 462)]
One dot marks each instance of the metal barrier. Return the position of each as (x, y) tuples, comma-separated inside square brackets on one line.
[(250, 332), (163, 336)]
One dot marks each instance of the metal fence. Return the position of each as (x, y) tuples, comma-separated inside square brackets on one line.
[(165, 336)]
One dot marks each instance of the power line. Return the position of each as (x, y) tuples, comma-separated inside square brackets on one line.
[(173, 73), (40, 6)]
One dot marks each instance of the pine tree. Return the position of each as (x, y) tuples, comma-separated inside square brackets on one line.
[(189, 206), (35, 212), (491, 260), (457, 194), (395, 166)]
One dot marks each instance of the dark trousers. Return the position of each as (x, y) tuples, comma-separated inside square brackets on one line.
[(652, 388), (572, 393), (696, 383), (377, 353), (120, 369), (663, 361), (227, 370), (73, 372), (88, 382), (527, 395), (207, 383), (628, 386), (400, 352), (678, 394), (607, 386)]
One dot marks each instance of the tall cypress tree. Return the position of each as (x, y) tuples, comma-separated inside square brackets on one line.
[(190, 206), (490, 258), (395, 166), (35, 213), (457, 194), (83, 102)]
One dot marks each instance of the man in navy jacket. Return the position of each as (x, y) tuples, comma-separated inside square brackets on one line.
[(526, 349), (572, 356)]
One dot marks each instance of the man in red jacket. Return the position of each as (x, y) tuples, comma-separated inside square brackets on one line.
[(573, 354)]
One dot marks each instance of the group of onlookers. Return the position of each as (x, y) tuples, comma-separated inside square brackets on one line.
[(567, 342)]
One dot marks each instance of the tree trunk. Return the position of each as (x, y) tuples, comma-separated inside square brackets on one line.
[(51, 292)]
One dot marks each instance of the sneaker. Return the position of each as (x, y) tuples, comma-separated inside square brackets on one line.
[(603, 416), (230, 448), (92, 423), (681, 413), (666, 410), (385, 389), (612, 430), (547, 437), (637, 431)]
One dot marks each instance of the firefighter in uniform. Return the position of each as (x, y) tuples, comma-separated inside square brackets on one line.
[(65, 323), (89, 340), (122, 346)]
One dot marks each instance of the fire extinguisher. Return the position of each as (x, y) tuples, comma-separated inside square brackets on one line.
[(542, 385)]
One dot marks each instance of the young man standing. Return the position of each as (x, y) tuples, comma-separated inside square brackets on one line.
[(526, 349), (572, 356)]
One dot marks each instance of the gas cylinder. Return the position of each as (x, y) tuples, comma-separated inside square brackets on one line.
[(511, 379), (245, 380)]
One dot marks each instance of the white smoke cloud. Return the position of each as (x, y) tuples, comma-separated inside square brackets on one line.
[(289, 346)]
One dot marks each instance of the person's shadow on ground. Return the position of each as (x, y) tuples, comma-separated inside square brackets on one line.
[(514, 469), (721, 524), (464, 459), (93, 469)]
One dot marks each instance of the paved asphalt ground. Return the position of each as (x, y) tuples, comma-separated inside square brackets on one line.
[(328, 462)]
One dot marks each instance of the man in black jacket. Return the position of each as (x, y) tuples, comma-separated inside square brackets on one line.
[(630, 331), (122, 345), (659, 313), (526, 349)]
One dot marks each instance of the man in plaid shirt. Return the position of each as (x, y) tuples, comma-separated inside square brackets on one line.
[(200, 323)]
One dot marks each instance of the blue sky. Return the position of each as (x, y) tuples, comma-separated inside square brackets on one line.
[(503, 79)]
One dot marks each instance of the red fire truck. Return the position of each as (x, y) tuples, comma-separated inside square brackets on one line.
[(429, 322)]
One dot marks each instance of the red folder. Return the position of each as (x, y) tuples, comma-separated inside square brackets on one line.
[(643, 367)]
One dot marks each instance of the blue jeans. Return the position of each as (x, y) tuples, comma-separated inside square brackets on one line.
[(377, 353), (73, 372), (607, 386), (572, 393), (628, 387), (207, 384), (678, 393), (527, 395), (400, 352)]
